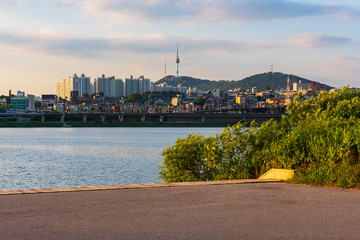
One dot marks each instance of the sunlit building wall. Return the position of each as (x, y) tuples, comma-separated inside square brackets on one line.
[(73, 83)]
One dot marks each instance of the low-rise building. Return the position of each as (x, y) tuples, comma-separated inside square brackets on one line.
[(19, 103), (3, 102), (48, 100), (31, 102), (175, 101)]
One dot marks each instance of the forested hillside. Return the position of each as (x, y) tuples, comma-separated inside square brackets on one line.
[(270, 80)]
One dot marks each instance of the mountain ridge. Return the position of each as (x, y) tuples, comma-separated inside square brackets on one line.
[(275, 81)]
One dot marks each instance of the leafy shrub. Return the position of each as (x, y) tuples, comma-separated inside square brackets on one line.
[(319, 139)]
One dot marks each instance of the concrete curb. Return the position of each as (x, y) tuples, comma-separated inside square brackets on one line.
[(276, 173), (133, 186)]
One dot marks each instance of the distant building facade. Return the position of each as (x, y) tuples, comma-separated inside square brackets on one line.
[(109, 86), (137, 85), (31, 102), (22, 103), (48, 100), (73, 83), (19, 103)]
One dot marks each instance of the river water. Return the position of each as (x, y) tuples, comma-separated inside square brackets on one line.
[(69, 157)]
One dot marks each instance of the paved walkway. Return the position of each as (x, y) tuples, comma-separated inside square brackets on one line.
[(221, 211)]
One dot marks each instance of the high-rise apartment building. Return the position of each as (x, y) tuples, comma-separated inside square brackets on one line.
[(146, 85), (131, 86), (73, 83), (101, 85), (109, 86), (137, 85), (119, 88)]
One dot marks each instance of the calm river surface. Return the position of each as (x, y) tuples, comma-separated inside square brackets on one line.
[(66, 157)]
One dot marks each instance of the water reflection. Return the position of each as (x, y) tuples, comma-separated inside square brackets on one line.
[(63, 157)]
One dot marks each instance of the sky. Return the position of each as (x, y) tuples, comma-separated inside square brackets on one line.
[(45, 41)]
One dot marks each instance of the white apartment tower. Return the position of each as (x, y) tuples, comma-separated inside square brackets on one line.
[(137, 85), (73, 83), (110, 86), (119, 88), (131, 86)]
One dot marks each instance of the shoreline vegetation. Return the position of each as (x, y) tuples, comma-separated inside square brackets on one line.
[(319, 139)]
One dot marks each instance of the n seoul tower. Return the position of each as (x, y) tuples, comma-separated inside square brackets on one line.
[(177, 60)]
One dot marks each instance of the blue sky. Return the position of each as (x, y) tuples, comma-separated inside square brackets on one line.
[(44, 41)]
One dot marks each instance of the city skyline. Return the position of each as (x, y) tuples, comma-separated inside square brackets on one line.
[(43, 42)]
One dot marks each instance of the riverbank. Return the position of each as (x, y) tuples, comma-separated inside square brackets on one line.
[(14, 124)]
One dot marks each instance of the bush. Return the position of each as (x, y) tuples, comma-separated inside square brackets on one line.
[(319, 139)]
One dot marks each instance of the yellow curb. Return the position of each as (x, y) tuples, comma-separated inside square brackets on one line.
[(276, 173), (133, 186)]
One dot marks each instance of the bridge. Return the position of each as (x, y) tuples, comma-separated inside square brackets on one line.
[(142, 117)]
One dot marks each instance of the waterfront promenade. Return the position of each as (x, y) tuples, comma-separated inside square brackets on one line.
[(255, 210)]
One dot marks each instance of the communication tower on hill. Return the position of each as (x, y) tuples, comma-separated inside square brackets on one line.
[(288, 83), (177, 61)]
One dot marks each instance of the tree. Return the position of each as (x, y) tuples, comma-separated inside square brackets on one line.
[(37, 104), (85, 95), (135, 98), (200, 101)]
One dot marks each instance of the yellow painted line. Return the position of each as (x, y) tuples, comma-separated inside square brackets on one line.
[(132, 186)]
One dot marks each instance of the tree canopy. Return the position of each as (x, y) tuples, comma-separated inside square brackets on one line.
[(135, 98), (267, 80), (200, 101)]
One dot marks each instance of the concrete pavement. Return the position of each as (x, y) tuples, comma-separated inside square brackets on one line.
[(216, 211)]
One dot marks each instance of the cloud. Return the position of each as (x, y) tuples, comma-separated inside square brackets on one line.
[(5, 3), (348, 63), (205, 11), (347, 59), (51, 42), (315, 40)]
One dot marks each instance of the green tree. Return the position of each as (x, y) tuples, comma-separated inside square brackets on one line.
[(135, 98), (37, 104), (200, 101)]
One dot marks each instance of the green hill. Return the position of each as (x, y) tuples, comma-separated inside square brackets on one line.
[(274, 81)]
